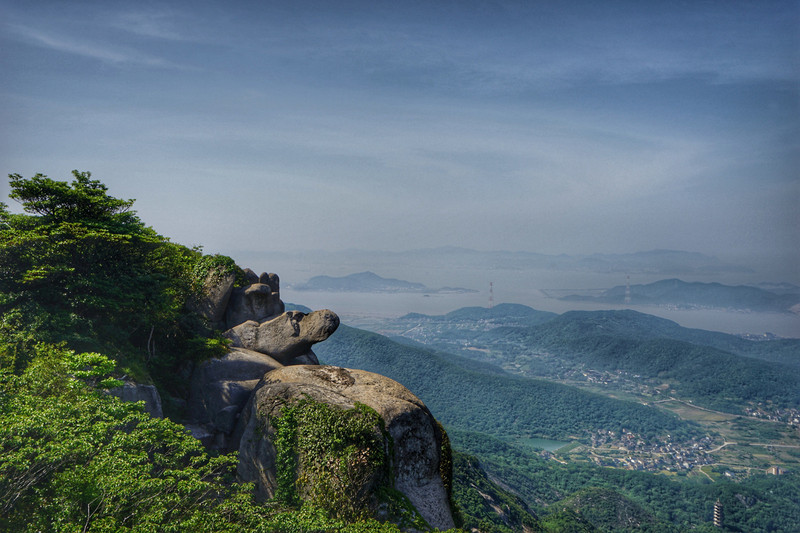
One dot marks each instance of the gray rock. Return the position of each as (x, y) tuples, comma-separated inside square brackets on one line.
[(221, 387), (255, 302), (250, 276), (201, 433), (417, 439), (288, 337), (135, 392), (270, 279), (212, 304)]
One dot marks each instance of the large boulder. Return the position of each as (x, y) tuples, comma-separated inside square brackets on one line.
[(219, 391), (417, 448), (287, 338)]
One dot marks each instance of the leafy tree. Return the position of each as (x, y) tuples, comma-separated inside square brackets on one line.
[(73, 458), (85, 199), (80, 267)]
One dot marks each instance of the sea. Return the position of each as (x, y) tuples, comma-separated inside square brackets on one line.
[(539, 289)]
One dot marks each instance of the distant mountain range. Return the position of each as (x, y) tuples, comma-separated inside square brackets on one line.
[(684, 294), (667, 262), (369, 282)]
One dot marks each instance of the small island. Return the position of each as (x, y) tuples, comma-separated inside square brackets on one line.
[(370, 282)]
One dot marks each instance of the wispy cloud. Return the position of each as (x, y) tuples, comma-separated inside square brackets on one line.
[(160, 24), (106, 53)]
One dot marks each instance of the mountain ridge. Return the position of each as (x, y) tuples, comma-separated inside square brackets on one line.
[(696, 294)]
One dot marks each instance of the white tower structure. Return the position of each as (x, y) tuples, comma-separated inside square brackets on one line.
[(628, 290)]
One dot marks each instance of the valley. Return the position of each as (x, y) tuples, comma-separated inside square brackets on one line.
[(741, 437)]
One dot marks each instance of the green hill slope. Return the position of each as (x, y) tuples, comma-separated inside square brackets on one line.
[(485, 506), (501, 405), (645, 345)]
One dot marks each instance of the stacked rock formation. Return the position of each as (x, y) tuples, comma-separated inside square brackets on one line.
[(264, 336), (233, 398)]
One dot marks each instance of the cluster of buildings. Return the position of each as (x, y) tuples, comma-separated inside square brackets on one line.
[(627, 450), (787, 415)]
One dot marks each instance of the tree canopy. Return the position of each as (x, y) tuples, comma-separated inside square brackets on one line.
[(78, 266), (82, 200)]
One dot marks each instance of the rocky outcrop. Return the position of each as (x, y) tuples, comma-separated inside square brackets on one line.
[(286, 337), (219, 391), (234, 399), (417, 438), (136, 392), (264, 338), (259, 301)]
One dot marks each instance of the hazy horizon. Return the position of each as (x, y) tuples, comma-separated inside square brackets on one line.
[(573, 128)]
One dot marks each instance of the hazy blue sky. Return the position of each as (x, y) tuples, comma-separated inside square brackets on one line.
[(572, 126)]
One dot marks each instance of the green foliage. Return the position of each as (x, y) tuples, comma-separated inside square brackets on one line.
[(567, 521), (84, 199), (312, 519), (761, 503), (81, 268), (285, 443), (610, 511), (219, 265), (333, 458), (84, 269), (72, 458), (92, 367), (483, 505)]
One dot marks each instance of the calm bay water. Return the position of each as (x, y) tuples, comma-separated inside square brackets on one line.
[(355, 307), (532, 287)]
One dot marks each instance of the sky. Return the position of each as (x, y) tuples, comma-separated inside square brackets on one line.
[(546, 126)]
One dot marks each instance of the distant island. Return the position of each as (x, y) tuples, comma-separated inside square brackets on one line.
[(370, 282), (700, 295)]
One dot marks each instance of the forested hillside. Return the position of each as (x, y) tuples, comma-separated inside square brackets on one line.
[(716, 370), (762, 503), (632, 342), (463, 397)]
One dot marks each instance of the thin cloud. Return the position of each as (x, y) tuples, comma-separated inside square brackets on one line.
[(91, 50), (152, 24)]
